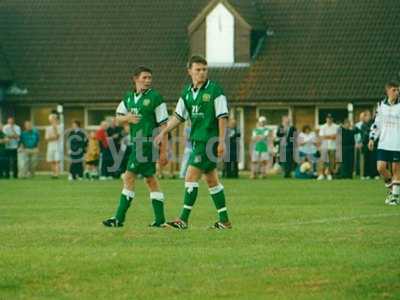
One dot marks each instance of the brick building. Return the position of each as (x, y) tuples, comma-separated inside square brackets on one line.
[(273, 57)]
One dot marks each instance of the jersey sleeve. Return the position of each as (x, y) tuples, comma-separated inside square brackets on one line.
[(122, 109), (161, 111), (221, 107), (220, 103), (180, 111)]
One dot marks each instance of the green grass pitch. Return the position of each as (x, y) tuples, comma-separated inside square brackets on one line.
[(291, 239)]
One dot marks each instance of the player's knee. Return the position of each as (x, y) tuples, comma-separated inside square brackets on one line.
[(151, 183), (128, 179), (211, 181), (381, 168)]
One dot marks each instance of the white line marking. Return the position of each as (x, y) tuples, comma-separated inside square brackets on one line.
[(340, 219)]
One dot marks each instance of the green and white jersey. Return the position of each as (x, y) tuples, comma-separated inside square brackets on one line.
[(262, 144), (203, 106), (149, 106)]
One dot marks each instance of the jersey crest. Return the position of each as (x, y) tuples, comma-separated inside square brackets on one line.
[(146, 102), (206, 97)]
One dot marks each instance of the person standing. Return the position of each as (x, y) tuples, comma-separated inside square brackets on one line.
[(261, 148), (205, 104), (386, 129), (92, 157), (145, 111), (286, 133), (3, 154), (105, 153), (13, 133), (115, 135), (370, 156), (348, 139), (328, 134), (307, 142), (28, 152), (54, 135), (77, 144), (231, 167)]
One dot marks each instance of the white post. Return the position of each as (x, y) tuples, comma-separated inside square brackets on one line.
[(60, 112), (350, 109)]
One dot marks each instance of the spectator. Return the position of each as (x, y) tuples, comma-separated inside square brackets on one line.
[(348, 139), (92, 156), (186, 151), (4, 165), (261, 148), (115, 134), (286, 133), (28, 152), (13, 133), (54, 137), (328, 133), (231, 168), (359, 163), (304, 170), (307, 142), (77, 143), (370, 157), (105, 153)]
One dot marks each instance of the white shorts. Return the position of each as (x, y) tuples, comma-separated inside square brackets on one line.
[(53, 153), (259, 156)]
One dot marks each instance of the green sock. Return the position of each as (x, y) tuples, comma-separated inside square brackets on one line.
[(218, 196), (157, 201), (191, 190), (124, 203)]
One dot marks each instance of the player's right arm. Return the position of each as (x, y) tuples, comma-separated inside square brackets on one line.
[(124, 116)]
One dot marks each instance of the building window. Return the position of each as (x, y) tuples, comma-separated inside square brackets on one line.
[(220, 24), (41, 116)]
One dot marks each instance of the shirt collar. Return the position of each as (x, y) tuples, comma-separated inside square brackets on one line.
[(205, 85), (386, 101), (144, 93)]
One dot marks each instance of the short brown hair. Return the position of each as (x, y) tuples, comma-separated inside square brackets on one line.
[(77, 123), (391, 84), (196, 59), (140, 70)]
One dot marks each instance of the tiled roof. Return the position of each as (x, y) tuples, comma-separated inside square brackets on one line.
[(326, 50), (86, 50), (5, 71)]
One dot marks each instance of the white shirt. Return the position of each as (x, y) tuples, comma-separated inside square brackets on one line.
[(387, 126), (9, 131), (52, 132), (326, 130), (309, 139)]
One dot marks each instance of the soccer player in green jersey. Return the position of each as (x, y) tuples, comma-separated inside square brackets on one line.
[(144, 110), (204, 103), (262, 143)]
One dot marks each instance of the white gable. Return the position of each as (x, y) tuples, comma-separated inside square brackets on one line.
[(220, 33)]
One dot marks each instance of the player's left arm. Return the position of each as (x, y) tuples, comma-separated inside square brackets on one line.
[(222, 122), (161, 115), (221, 113)]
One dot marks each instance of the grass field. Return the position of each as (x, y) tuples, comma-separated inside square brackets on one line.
[(291, 240)]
